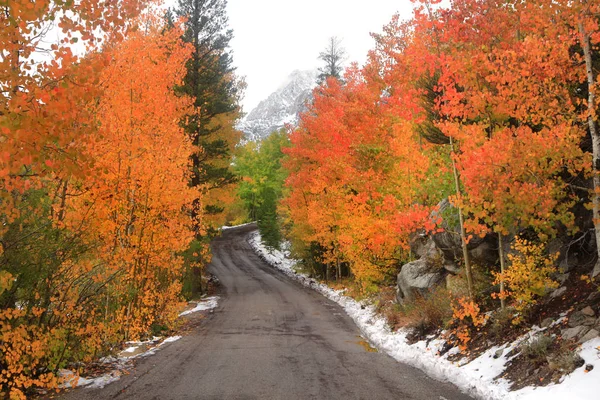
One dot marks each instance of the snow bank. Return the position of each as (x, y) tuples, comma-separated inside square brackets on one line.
[(225, 227), (476, 377), (205, 304), (70, 380), (135, 349)]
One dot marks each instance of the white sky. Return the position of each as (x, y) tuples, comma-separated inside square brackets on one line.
[(275, 37)]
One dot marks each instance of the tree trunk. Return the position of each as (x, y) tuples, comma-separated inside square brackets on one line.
[(502, 266), (591, 108), (197, 289), (463, 235)]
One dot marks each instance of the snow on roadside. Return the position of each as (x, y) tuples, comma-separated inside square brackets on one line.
[(476, 377), (205, 304), (225, 227), (134, 349)]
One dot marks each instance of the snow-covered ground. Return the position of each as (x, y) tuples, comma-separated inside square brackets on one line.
[(225, 227), (475, 377), (207, 303), (134, 349)]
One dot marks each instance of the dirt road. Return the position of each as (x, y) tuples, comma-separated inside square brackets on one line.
[(270, 338)]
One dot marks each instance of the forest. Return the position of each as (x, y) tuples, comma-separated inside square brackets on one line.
[(454, 178), (114, 165), (119, 162)]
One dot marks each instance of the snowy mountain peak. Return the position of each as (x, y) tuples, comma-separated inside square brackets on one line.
[(281, 107)]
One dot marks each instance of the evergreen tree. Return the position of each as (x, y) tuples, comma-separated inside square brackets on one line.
[(333, 56), (210, 81), (268, 224)]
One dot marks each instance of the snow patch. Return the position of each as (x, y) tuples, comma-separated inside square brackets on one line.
[(226, 227), (136, 349), (205, 304), (70, 380), (476, 377)]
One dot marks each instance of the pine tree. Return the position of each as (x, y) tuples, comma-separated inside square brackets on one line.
[(211, 83), (333, 56), (210, 80)]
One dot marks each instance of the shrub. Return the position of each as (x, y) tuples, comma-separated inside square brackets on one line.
[(466, 319), (537, 348), (427, 313), (528, 276), (501, 322)]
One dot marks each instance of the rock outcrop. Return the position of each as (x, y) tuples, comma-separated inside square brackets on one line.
[(438, 256)]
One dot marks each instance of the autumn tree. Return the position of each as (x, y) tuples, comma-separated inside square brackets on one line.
[(351, 162), (96, 170)]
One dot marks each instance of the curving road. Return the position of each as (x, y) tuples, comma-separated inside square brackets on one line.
[(270, 338)]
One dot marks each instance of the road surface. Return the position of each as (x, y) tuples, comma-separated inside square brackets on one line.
[(270, 338)]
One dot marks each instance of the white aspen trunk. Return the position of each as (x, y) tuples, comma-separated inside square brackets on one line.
[(463, 235), (591, 108), (502, 268)]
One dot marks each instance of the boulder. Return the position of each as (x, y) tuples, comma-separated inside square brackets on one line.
[(546, 322), (592, 334), (558, 292), (576, 319), (437, 256), (588, 311), (418, 243), (483, 251), (574, 333), (594, 297), (417, 277)]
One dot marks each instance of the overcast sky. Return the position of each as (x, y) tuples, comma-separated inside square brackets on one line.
[(275, 37)]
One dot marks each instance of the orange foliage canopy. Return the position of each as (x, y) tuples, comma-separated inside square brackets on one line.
[(94, 183), (494, 88), (351, 164)]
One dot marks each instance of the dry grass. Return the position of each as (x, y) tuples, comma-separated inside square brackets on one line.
[(426, 314)]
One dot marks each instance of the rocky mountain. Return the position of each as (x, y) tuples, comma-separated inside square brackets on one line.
[(281, 107)]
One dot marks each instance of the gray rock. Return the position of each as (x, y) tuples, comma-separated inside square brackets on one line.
[(592, 334), (418, 243), (498, 353), (558, 292), (576, 319), (596, 270), (588, 311), (417, 276), (594, 297), (483, 250), (546, 322), (573, 333)]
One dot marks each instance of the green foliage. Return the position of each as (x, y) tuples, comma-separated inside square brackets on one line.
[(258, 166), (194, 258), (211, 82), (537, 349)]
